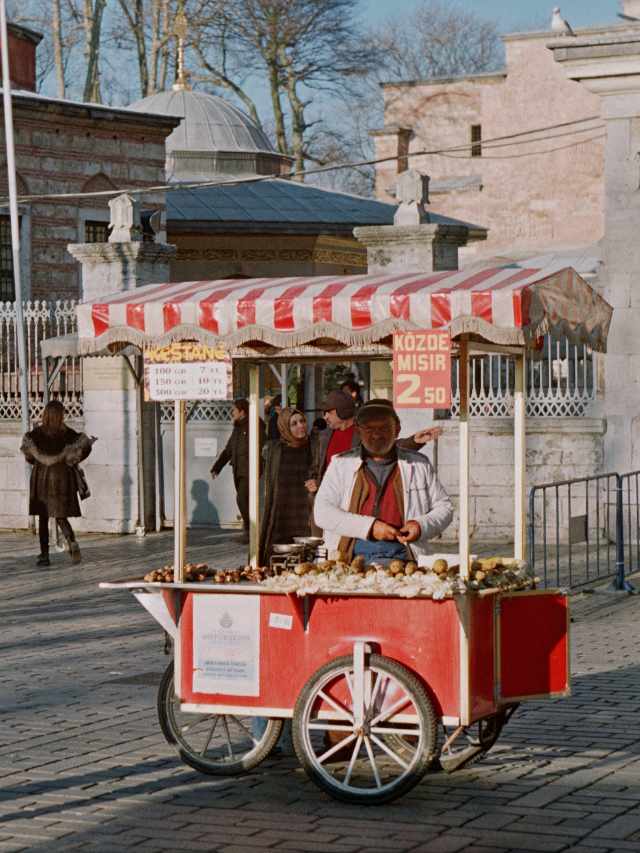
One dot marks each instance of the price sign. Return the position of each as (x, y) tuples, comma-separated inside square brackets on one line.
[(187, 371), (422, 369)]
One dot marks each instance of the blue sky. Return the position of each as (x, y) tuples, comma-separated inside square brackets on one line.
[(510, 15)]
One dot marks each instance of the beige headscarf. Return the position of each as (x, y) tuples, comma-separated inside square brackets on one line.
[(284, 419)]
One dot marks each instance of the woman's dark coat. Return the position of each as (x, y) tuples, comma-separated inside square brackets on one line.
[(273, 454), (53, 487)]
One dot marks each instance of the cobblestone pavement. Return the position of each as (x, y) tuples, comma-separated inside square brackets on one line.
[(84, 765)]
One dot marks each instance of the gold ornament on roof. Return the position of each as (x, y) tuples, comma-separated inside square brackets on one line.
[(180, 31)]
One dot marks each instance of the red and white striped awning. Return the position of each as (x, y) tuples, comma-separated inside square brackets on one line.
[(506, 305)]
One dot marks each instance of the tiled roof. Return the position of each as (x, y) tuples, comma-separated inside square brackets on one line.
[(280, 201)]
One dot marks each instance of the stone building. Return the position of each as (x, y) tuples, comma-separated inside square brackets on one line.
[(530, 201), (260, 227), (67, 147)]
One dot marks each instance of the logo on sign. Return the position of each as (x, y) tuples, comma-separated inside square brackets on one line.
[(422, 369), (225, 621)]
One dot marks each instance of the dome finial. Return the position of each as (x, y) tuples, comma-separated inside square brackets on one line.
[(180, 31)]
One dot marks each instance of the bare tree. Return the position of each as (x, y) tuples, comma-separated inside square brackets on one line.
[(438, 40), (303, 47), (93, 11), (147, 25)]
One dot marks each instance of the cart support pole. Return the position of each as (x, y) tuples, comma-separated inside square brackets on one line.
[(519, 443), (180, 521), (254, 463), (464, 459)]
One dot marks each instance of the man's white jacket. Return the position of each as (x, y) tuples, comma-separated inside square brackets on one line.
[(425, 499)]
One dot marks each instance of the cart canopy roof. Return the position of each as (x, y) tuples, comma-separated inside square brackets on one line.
[(510, 305)]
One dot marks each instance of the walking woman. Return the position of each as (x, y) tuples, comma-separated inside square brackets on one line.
[(54, 450), (288, 484)]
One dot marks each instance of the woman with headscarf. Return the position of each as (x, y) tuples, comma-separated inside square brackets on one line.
[(288, 484), (55, 450)]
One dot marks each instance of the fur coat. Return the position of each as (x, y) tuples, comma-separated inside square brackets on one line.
[(53, 487)]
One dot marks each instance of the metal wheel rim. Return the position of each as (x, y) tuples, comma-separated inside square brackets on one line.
[(357, 740), (216, 720)]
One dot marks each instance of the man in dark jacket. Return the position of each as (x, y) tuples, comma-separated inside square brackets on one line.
[(236, 452)]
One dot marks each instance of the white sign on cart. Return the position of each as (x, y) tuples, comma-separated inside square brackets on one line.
[(226, 644), (187, 371)]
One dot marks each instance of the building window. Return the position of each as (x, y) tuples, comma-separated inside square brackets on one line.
[(403, 150), (476, 140), (7, 287), (96, 232)]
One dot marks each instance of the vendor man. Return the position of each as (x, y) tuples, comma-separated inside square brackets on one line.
[(379, 500), (340, 414)]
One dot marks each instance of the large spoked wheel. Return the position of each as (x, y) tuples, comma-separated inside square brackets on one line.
[(345, 723), (217, 744)]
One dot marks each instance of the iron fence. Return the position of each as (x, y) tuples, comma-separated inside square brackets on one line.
[(630, 521), (586, 530), (561, 383), (42, 320)]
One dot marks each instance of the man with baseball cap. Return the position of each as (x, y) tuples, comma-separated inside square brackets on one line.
[(339, 410), (379, 499)]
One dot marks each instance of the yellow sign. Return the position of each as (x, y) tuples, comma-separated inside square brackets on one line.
[(180, 351)]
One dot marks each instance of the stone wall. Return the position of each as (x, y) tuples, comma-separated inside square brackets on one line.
[(13, 476), (557, 449), (526, 202), (64, 147)]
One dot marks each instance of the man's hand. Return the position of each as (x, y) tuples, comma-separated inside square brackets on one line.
[(383, 532), (311, 486), (425, 435), (213, 475), (410, 532)]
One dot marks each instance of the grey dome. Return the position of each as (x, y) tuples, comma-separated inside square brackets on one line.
[(210, 123)]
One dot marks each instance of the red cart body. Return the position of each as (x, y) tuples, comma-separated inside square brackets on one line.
[(473, 654)]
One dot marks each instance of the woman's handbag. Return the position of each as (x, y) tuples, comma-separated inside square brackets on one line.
[(82, 486)]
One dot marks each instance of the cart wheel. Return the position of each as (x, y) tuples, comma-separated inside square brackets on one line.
[(487, 731), (341, 733), (217, 744), (473, 742)]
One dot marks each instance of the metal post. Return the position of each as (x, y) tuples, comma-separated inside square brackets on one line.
[(158, 467), (519, 444), (283, 385), (180, 521), (15, 222), (620, 583), (254, 464), (141, 528), (463, 510)]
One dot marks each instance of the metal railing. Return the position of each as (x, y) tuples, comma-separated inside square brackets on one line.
[(42, 320), (630, 520), (586, 530), (561, 383)]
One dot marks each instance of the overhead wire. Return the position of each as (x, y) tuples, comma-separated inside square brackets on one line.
[(528, 153), (506, 140)]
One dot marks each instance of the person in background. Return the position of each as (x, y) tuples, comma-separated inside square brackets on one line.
[(319, 425), (379, 500), (54, 449), (352, 388), (342, 435), (288, 484), (236, 452), (275, 407)]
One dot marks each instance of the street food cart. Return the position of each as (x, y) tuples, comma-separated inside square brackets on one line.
[(379, 686)]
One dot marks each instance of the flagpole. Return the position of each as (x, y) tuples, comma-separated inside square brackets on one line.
[(15, 221)]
